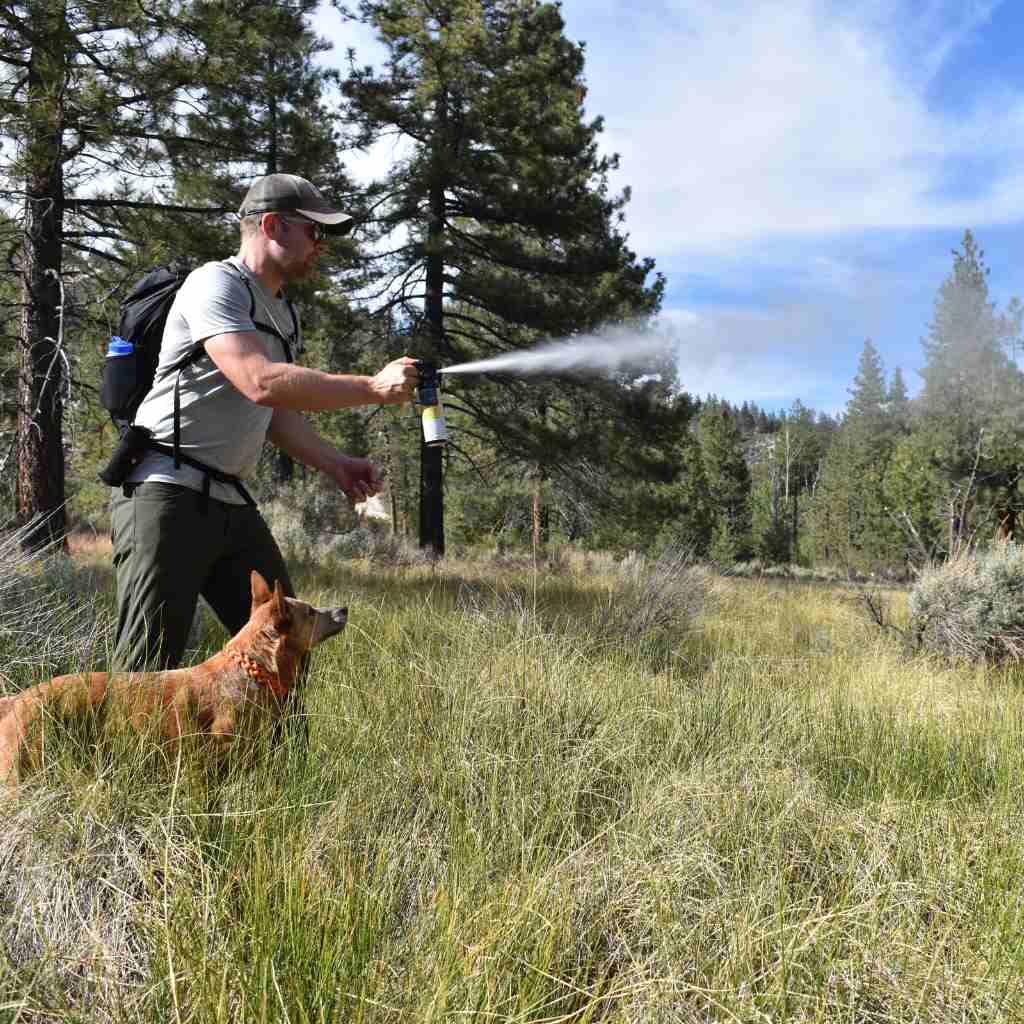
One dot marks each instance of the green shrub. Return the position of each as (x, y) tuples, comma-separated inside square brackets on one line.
[(972, 607)]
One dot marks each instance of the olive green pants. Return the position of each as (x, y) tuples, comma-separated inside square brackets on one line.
[(170, 546)]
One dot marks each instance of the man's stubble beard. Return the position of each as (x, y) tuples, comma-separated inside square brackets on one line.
[(297, 270)]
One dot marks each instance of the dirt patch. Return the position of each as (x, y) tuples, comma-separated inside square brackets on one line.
[(88, 543)]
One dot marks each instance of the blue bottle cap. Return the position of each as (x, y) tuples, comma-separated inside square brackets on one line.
[(120, 347)]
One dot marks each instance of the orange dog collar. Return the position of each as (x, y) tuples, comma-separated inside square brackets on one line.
[(259, 674)]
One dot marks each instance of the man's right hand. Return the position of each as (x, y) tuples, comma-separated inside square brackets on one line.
[(396, 383)]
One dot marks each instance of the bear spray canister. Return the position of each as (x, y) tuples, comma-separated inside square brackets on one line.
[(431, 410)]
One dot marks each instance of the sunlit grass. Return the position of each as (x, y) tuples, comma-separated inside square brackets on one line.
[(515, 805)]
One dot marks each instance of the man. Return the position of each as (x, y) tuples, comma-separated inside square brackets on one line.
[(186, 526)]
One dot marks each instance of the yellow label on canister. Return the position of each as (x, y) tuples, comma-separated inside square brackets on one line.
[(434, 429)]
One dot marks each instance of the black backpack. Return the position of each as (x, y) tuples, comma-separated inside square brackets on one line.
[(129, 367), (129, 370)]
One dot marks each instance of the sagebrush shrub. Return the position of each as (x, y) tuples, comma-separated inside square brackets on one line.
[(972, 607), (312, 522), (665, 595)]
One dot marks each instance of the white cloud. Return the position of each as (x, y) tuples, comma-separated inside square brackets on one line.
[(740, 120), (746, 119)]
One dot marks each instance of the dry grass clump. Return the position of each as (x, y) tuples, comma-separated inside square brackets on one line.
[(972, 607), (654, 598), (50, 619), (75, 901)]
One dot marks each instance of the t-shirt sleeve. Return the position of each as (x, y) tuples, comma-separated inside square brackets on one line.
[(215, 301)]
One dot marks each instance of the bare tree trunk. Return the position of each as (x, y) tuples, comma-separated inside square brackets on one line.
[(539, 512), (396, 478), (431, 465), (40, 482)]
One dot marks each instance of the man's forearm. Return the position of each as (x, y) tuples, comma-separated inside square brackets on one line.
[(294, 434), (289, 386), (242, 358)]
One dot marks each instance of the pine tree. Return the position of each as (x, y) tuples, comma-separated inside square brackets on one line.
[(503, 230), (970, 401), (866, 409), (727, 476), (850, 521), (85, 90), (916, 499), (898, 400)]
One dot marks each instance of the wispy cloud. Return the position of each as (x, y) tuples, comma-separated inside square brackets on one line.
[(745, 119)]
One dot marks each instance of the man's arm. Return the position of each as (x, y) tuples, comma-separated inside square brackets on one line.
[(293, 433), (243, 360)]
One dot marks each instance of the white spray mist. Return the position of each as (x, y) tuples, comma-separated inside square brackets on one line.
[(615, 349)]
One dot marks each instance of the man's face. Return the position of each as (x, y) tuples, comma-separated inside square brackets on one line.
[(297, 242)]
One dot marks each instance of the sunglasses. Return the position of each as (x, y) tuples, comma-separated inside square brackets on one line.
[(315, 231)]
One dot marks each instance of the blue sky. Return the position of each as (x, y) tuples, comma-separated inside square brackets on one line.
[(801, 170)]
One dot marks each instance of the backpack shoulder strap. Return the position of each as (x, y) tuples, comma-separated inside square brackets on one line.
[(199, 349), (263, 325)]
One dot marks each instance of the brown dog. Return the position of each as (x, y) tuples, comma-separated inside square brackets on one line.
[(223, 697)]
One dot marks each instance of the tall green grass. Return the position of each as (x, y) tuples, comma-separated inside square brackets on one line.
[(561, 795)]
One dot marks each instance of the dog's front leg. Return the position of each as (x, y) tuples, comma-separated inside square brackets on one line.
[(222, 730)]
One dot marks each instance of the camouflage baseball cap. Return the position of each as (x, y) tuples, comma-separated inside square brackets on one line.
[(288, 193)]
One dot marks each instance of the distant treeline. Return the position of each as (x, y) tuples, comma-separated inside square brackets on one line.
[(889, 485)]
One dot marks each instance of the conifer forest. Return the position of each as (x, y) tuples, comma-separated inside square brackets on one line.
[(129, 135)]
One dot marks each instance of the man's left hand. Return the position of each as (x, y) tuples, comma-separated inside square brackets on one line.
[(358, 478)]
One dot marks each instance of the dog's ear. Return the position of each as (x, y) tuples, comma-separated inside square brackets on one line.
[(279, 611), (260, 590)]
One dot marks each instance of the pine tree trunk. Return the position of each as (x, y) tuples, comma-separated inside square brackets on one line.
[(541, 515), (283, 468), (396, 478), (40, 484), (538, 474), (536, 516), (431, 467)]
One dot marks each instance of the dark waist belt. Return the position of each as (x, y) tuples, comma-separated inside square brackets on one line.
[(132, 447), (209, 473)]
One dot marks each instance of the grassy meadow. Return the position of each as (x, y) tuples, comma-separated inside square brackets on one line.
[(586, 792)]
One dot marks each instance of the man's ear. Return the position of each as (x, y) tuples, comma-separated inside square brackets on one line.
[(260, 590), (271, 225)]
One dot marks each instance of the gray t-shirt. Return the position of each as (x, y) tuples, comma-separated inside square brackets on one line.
[(219, 426)]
